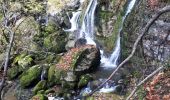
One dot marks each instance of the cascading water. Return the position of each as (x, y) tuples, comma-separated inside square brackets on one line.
[(87, 29), (87, 32), (74, 21), (113, 60)]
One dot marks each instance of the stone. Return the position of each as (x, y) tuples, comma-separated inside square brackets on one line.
[(31, 76), (41, 85), (84, 80), (54, 76)]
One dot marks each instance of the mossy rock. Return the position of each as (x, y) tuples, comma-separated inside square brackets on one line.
[(32, 75), (41, 85), (14, 72), (39, 97), (23, 60), (54, 76), (84, 79), (68, 85), (56, 42)]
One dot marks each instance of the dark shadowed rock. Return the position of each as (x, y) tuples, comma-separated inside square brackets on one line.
[(80, 42)]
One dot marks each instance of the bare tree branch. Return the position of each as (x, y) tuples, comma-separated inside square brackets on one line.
[(143, 81), (144, 31), (9, 46)]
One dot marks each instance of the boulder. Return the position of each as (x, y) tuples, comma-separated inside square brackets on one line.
[(31, 76), (41, 85), (80, 59), (84, 80)]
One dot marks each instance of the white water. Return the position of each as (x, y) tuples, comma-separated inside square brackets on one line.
[(113, 60), (74, 21), (87, 29)]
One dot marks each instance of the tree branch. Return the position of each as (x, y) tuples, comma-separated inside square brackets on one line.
[(9, 46), (143, 81), (144, 31)]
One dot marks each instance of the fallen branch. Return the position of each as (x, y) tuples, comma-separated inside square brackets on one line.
[(144, 31), (9, 46), (143, 81)]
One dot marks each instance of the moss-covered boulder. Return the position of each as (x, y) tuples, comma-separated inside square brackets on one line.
[(39, 97), (31, 76), (56, 42), (41, 85), (82, 59), (84, 80), (54, 76)]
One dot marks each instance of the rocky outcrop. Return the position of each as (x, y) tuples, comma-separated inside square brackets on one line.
[(77, 61), (155, 44), (108, 21)]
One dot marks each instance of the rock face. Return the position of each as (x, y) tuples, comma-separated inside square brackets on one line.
[(108, 21), (155, 43)]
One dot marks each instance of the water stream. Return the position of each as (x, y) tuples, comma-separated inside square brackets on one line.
[(87, 32)]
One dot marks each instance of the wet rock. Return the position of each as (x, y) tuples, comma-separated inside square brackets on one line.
[(70, 77), (70, 44), (41, 85), (80, 42), (109, 21), (84, 80), (31, 76)]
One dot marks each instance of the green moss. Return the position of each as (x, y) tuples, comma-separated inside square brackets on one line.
[(111, 41), (23, 60), (141, 93), (54, 75), (33, 7), (84, 80), (39, 97), (40, 86), (14, 72), (27, 61), (55, 42), (49, 91), (68, 85), (32, 75), (17, 58), (41, 92)]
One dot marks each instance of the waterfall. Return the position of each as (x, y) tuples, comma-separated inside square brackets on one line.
[(87, 29), (113, 60), (74, 21)]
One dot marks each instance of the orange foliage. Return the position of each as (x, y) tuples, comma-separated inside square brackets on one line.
[(153, 3), (158, 88)]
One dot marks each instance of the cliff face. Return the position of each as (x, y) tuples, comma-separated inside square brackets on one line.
[(108, 21), (155, 45), (154, 49)]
